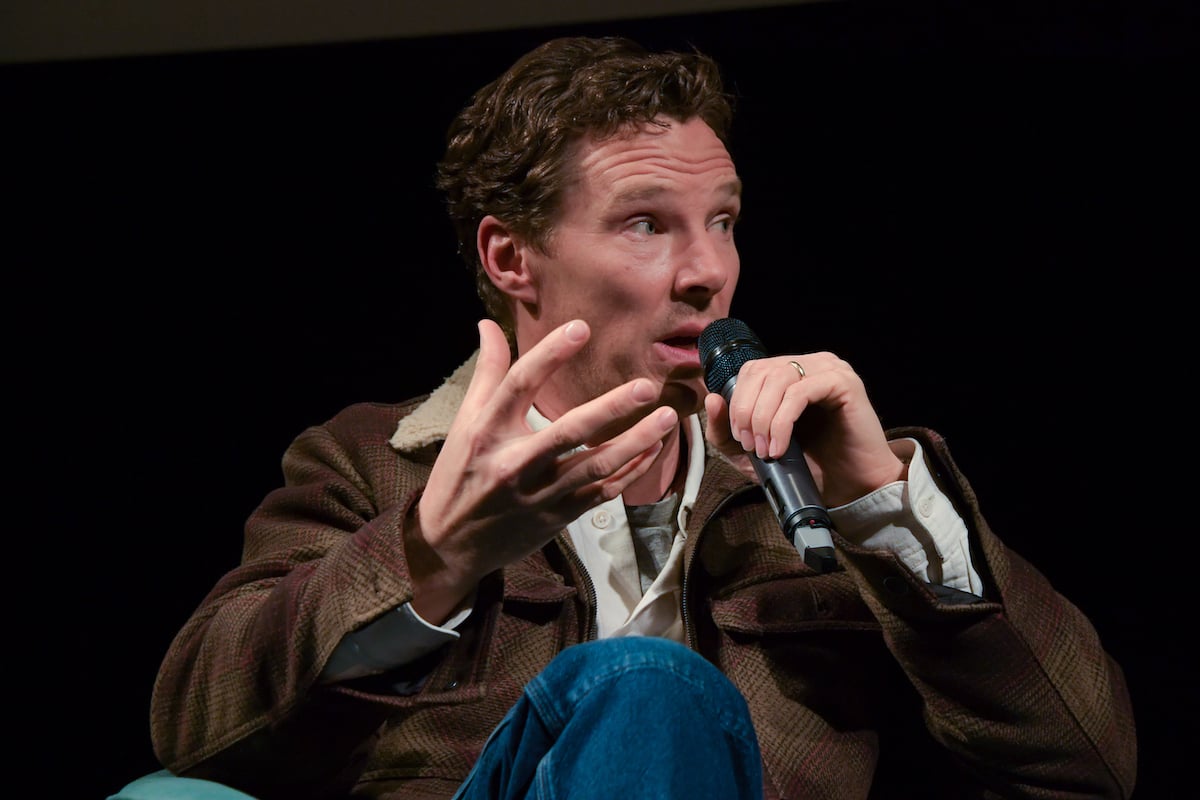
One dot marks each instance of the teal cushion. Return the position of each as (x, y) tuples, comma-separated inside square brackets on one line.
[(162, 785)]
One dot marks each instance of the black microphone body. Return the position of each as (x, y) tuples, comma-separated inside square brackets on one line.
[(725, 345)]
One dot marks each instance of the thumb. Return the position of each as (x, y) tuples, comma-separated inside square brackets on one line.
[(716, 429), (491, 363), (719, 435)]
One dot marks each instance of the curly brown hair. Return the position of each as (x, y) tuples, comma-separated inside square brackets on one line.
[(509, 150)]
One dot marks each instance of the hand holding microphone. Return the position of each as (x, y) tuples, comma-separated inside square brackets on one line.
[(849, 446), (725, 345)]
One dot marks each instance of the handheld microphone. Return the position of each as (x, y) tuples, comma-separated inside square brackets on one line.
[(725, 345)]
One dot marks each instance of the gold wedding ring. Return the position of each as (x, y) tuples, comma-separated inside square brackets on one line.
[(799, 369)]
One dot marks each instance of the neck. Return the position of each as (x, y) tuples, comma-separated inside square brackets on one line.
[(668, 469)]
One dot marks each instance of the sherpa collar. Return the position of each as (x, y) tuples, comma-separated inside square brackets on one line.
[(430, 421)]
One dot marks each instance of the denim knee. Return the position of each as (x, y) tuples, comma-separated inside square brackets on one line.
[(623, 717), (647, 660)]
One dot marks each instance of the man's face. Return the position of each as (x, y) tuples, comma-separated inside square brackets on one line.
[(643, 250)]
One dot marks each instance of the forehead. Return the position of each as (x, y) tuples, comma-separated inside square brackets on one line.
[(683, 157)]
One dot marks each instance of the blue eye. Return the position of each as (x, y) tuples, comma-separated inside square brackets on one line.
[(645, 226)]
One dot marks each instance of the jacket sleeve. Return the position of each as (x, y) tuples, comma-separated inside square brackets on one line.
[(1016, 686), (237, 695)]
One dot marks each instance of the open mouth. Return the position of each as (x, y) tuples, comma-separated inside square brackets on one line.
[(682, 342)]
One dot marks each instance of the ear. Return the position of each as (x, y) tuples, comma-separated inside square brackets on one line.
[(505, 260)]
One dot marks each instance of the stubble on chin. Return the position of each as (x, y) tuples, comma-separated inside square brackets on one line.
[(686, 397)]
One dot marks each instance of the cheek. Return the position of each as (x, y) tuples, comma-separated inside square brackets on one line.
[(604, 285), (625, 294)]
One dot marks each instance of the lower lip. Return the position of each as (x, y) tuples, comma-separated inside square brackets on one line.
[(688, 357)]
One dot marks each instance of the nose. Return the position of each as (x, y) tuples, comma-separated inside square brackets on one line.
[(707, 265)]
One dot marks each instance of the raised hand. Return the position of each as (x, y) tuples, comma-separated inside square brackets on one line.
[(499, 490)]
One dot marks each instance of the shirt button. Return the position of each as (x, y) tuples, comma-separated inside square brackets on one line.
[(601, 519), (925, 507)]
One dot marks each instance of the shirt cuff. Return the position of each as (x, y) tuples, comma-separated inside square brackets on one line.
[(916, 521), (396, 638)]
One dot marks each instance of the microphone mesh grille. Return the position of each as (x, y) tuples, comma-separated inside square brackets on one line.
[(726, 344)]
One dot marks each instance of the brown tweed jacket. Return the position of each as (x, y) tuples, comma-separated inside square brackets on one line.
[(862, 683)]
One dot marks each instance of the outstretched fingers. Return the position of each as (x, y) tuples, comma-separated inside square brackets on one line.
[(623, 431), (600, 473), (512, 396)]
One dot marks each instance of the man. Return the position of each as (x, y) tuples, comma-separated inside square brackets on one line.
[(557, 575)]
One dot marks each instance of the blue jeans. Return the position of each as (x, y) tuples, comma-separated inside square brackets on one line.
[(629, 717)]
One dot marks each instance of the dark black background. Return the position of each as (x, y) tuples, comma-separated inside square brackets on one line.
[(987, 212)]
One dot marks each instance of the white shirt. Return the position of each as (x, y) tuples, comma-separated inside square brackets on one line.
[(604, 541)]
